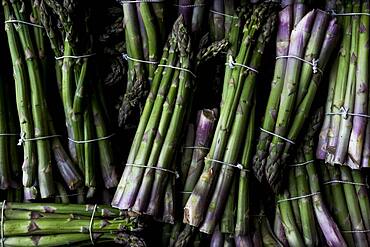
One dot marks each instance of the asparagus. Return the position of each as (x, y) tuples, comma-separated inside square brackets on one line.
[(340, 85), (237, 132), (242, 211), (282, 48), (202, 140), (160, 122), (5, 169), (196, 204), (346, 123), (153, 103), (357, 137), (327, 224), (300, 35), (144, 29)]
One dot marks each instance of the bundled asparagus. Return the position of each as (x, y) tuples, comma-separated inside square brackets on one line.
[(145, 33), (239, 82), (311, 43), (148, 168), (85, 115), (36, 224), (37, 131), (301, 205), (195, 148), (343, 138), (10, 168), (348, 199)]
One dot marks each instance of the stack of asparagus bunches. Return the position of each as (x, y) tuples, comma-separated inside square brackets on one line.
[(36, 224), (145, 34), (41, 148), (302, 213), (304, 46), (84, 107), (345, 135), (146, 183), (231, 143)]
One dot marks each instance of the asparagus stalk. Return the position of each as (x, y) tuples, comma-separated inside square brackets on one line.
[(5, 169), (202, 141), (243, 207)]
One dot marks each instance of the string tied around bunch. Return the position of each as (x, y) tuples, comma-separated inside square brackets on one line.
[(177, 175), (91, 225), (314, 62), (344, 112), (279, 136), (232, 64), (238, 165), (298, 197)]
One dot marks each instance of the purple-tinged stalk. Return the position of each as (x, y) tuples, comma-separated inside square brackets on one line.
[(357, 139), (327, 224), (203, 137), (282, 48), (298, 40), (328, 45)]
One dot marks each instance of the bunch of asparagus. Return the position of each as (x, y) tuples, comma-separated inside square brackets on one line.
[(301, 212), (42, 149), (85, 113), (145, 185), (145, 34), (231, 144), (344, 137), (35, 224), (304, 45), (10, 167), (347, 196), (195, 147)]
